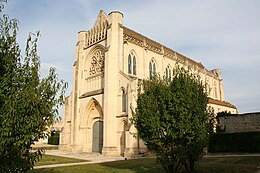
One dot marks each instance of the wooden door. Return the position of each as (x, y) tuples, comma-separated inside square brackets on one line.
[(97, 141)]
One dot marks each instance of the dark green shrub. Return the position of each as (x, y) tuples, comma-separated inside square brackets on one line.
[(235, 142)]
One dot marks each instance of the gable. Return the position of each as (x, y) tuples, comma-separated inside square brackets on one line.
[(101, 19)]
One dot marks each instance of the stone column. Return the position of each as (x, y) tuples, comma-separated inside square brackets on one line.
[(75, 141)]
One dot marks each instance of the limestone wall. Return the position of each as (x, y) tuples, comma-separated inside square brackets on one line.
[(105, 82), (240, 122)]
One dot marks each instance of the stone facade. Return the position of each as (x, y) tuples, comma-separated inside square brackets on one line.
[(249, 122), (110, 61)]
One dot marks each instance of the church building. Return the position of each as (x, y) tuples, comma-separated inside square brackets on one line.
[(110, 61)]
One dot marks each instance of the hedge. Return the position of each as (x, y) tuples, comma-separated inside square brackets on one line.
[(235, 142)]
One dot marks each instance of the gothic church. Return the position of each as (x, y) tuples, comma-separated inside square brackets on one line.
[(110, 60)]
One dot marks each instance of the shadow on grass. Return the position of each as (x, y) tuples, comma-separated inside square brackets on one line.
[(141, 165), (205, 165), (45, 170), (149, 165)]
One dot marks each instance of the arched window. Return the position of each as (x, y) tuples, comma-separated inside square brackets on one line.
[(129, 64), (168, 73), (132, 64), (152, 69), (123, 101)]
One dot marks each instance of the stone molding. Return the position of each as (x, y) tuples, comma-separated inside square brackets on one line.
[(148, 44), (98, 33), (221, 103), (91, 93)]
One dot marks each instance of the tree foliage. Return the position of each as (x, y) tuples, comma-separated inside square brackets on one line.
[(172, 119), (28, 103)]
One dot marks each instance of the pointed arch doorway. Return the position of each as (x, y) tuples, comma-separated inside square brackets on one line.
[(94, 121), (97, 137)]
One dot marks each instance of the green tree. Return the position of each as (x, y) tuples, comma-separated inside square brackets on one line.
[(172, 119), (28, 103), (191, 103)]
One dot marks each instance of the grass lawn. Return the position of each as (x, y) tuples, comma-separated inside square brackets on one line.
[(236, 164), (49, 160), (149, 165)]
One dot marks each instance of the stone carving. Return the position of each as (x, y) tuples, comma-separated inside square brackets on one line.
[(169, 55), (97, 63), (97, 34), (153, 48), (133, 39)]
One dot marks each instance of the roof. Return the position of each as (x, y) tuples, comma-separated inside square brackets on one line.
[(221, 103), (157, 47)]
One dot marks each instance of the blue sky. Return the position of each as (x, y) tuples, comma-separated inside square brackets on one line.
[(221, 34)]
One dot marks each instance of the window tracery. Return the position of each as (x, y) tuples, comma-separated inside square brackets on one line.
[(97, 62), (132, 64)]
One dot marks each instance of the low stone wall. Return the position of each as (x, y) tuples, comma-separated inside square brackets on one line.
[(249, 122)]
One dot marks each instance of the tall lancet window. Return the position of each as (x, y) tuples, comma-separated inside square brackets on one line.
[(129, 64), (123, 101), (132, 64), (152, 69), (168, 74)]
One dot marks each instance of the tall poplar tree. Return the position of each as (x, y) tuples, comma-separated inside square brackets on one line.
[(28, 103)]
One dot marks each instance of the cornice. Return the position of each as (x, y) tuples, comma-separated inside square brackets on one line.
[(148, 44), (221, 103), (92, 93)]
